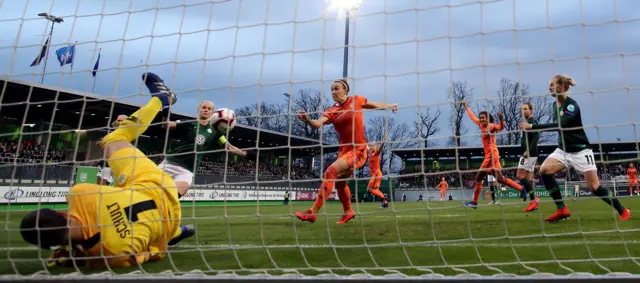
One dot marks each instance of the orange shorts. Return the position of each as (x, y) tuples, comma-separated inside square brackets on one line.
[(491, 163), (633, 182), (355, 157), (376, 178), (444, 192)]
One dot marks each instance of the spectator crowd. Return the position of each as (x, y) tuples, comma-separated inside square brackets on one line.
[(29, 152), (32, 152)]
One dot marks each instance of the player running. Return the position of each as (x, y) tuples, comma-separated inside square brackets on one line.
[(346, 117), (443, 189), (116, 226), (574, 150), (376, 173), (196, 139), (491, 163), (527, 164), (633, 179)]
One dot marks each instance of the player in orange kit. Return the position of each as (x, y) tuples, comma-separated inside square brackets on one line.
[(491, 163), (633, 179), (376, 173), (443, 189), (346, 117)]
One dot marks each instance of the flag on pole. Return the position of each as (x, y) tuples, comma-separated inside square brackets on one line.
[(95, 67), (65, 54), (43, 53)]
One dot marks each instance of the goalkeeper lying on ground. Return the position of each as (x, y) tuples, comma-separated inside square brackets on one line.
[(119, 226)]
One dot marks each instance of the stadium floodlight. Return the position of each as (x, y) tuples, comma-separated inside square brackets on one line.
[(348, 7), (54, 20)]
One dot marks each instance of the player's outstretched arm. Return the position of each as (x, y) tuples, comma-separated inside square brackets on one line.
[(470, 113), (499, 126), (222, 140), (231, 148), (169, 124), (380, 106), (567, 118), (316, 124)]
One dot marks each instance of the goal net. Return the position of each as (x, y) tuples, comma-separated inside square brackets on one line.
[(68, 69)]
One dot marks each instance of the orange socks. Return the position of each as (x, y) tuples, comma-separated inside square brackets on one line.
[(511, 184), (476, 192), (344, 193), (376, 192), (325, 189)]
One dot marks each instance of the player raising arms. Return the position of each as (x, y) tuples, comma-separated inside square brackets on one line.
[(116, 226), (633, 179), (346, 117), (491, 163), (527, 164), (376, 173), (574, 150), (195, 140), (443, 188)]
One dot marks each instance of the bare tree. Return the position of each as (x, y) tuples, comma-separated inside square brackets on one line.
[(399, 135), (543, 114), (314, 103), (264, 116), (511, 96), (427, 126), (458, 92)]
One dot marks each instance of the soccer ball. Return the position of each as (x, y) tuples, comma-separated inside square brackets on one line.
[(223, 120)]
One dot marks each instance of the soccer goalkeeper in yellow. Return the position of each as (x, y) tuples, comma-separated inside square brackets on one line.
[(129, 224)]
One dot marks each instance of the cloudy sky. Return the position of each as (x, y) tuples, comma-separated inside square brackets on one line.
[(404, 51)]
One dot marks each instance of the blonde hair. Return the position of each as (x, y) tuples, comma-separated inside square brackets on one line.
[(565, 81), (205, 101)]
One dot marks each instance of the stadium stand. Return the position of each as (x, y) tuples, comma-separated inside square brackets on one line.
[(440, 162), (47, 152)]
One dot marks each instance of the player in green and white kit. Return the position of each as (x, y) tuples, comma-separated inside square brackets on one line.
[(527, 164), (196, 139), (574, 150)]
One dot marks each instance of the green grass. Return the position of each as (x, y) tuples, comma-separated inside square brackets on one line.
[(412, 238)]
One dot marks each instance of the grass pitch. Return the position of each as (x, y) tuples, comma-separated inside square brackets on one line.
[(411, 238)]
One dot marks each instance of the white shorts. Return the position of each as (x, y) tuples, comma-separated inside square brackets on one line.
[(582, 161), (528, 164), (490, 178), (178, 173)]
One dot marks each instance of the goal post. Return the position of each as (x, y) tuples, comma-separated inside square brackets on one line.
[(417, 62)]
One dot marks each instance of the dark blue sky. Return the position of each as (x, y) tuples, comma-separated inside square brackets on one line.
[(241, 52)]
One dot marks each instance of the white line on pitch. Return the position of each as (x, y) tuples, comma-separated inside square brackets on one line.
[(429, 244)]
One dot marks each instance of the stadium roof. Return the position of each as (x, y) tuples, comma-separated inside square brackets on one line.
[(40, 100), (505, 150)]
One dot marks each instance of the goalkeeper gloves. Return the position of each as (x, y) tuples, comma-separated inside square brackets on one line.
[(66, 255)]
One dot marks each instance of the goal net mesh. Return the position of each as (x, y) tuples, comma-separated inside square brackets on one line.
[(267, 59)]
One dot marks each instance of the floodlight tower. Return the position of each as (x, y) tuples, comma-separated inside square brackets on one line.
[(54, 20), (348, 7)]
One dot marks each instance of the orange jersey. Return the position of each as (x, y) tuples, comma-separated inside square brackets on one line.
[(633, 174), (374, 161), (443, 185), (488, 137), (348, 121)]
